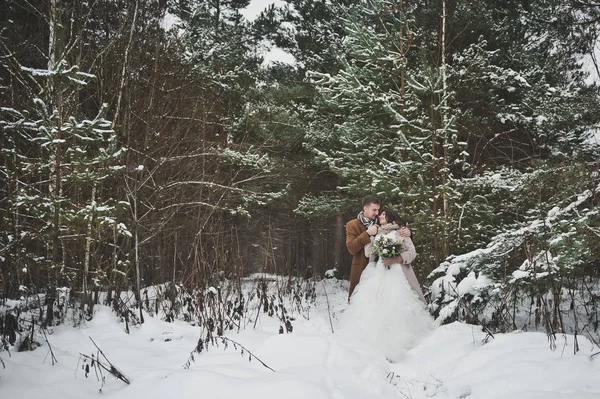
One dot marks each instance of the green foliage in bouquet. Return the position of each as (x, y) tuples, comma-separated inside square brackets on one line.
[(386, 247)]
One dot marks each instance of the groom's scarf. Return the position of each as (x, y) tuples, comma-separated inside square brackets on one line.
[(365, 220)]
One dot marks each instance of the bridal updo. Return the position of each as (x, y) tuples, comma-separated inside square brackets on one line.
[(393, 216)]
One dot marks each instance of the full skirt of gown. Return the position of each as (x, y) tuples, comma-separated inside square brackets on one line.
[(385, 313)]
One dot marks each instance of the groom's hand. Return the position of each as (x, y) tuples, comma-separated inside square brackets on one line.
[(404, 232), (391, 261), (372, 230)]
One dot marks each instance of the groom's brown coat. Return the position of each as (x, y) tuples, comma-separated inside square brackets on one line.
[(356, 239)]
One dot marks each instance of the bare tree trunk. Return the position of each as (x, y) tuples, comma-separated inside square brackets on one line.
[(403, 93), (112, 283), (124, 69), (174, 258), (434, 187), (16, 230), (55, 53), (56, 36), (340, 242), (445, 135), (138, 275), (403, 68), (133, 200), (88, 245), (316, 238)]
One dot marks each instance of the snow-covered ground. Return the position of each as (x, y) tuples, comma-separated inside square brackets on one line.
[(312, 362)]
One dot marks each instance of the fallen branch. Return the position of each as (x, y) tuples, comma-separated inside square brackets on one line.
[(391, 375), (250, 354), (593, 355), (328, 307), (108, 367), (54, 360), (198, 349), (591, 338), (4, 346), (204, 345)]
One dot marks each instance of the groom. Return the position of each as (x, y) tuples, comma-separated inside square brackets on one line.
[(358, 234)]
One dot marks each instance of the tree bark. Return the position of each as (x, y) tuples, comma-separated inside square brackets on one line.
[(55, 53), (124, 69), (88, 244), (445, 165)]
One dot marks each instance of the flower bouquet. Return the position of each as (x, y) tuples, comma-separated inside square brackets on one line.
[(386, 247)]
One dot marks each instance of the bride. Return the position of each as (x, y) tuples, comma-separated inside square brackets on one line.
[(387, 309)]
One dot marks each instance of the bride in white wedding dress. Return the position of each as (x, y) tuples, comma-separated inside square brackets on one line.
[(385, 312)]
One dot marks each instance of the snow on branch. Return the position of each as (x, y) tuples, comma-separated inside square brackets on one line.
[(71, 73), (478, 271)]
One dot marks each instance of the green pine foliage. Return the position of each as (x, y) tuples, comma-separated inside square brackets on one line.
[(56, 167), (479, 134), (477, 149)]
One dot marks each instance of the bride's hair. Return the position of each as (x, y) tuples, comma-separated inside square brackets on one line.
[(392, 216)]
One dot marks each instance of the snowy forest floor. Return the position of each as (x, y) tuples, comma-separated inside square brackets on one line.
[(311, 362)]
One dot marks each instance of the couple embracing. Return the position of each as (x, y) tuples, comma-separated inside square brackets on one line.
[(386, 304)]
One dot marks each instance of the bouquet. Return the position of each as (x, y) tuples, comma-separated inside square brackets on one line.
[(386, 247)]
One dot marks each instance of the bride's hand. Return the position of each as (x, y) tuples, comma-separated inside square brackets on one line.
[(404, 232), (391, 261)]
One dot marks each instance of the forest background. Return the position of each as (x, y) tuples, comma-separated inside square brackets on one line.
[(149, 142)]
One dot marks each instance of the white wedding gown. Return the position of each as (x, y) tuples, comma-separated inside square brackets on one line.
[(385, 313)]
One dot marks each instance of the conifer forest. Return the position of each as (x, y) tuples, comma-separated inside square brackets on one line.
[(157, 142)]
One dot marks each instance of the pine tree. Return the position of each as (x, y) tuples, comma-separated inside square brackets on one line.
[(382, 124), (439, 120), (527, 112), (56, 167)]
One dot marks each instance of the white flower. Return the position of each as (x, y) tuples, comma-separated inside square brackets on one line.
[(385, 251)]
